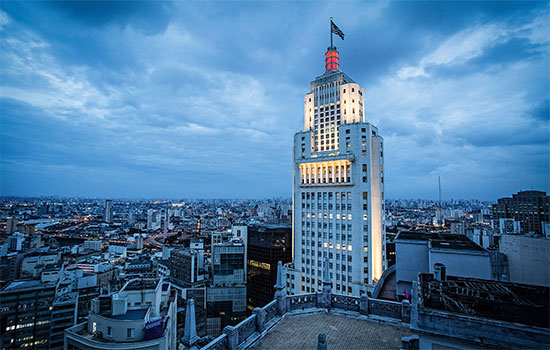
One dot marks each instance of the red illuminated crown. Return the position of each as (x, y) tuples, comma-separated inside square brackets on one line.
[(332, 60)]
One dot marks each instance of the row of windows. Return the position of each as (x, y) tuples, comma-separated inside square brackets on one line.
[(328, 206), (329, 215), (343, 236), (326, 195)]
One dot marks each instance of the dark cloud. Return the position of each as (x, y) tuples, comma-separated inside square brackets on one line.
[(541, 111), (150, 17), (202, 98), (448, 17)]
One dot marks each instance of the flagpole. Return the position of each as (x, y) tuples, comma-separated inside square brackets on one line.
[(331, 32)]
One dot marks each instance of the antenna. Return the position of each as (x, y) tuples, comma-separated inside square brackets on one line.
[(439, 184), (165, 234)]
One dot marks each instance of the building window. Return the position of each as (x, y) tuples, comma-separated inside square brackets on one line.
[(109, 331), (130, 332)]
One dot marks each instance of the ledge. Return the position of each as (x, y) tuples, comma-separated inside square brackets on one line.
[(326, 158)]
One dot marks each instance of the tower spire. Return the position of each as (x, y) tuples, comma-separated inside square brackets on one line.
[(331, 32)]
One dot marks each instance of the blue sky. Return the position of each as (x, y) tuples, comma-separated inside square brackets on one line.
[(201, 99)]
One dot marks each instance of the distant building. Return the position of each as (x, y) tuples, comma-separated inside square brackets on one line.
[(34, 263), (108, 214), (15, 242), (225, 306), (187, 267), (505, 225), (155, 218), (228, 264), (44, 209), (92, 245), (417, 252), (481, 236), (11, 225), (142, 315), (226, 298), (528, 258), (118, 251), (530, 208), (458, 228), (266, 246)]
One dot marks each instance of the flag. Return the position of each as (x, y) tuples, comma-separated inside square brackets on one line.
[(334, 29)]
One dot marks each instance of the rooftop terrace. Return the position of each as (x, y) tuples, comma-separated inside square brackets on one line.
[(300, 331)]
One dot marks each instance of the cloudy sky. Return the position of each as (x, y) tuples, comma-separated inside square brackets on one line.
[(201, 99)]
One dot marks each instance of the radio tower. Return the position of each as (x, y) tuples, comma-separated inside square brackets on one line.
[(439, 183), (165, 230)]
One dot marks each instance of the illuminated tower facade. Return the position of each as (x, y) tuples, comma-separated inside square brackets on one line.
[(338, 189)]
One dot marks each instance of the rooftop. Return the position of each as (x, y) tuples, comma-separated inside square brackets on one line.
[(343, 332), (137, 314), (141, 284), (27, 284), (503, 301), (440, 240)]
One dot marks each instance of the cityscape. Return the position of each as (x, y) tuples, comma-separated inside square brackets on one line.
[(194, 201)]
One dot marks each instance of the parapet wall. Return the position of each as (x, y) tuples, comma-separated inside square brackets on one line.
[(242, 335)]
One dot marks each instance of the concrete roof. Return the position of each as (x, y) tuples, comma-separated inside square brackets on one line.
[(440, 240), (343, 332)]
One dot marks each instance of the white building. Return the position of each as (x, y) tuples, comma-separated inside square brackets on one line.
[(92, 245), (418, 252), (142, 315), (338, 190), (117, 251), (154, 219)]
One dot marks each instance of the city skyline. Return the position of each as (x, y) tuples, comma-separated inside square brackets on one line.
[(201, 100)]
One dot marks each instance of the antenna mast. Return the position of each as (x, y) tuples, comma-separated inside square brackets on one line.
[(439, 184)]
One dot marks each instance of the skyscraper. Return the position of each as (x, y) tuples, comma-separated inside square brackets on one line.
[(338, 188), (530, 208), (108, 215)]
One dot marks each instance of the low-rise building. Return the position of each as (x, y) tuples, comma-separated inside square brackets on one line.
[(142, 315), (417, 252)]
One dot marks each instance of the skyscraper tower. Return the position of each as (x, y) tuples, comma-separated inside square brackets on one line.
[(338, 188), (108, 212)]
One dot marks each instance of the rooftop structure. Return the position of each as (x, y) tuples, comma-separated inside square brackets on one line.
[(142, 315), (477, 313), (418, 251)]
